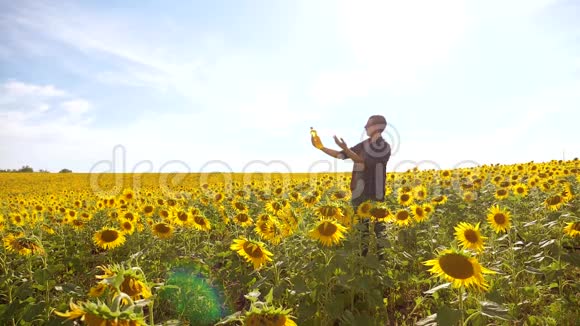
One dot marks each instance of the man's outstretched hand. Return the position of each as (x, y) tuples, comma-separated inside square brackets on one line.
[(341, 143)]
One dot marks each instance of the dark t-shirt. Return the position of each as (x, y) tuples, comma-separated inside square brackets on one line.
[(368, 178)]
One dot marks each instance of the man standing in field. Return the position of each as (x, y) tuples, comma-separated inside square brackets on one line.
[(369, 171)]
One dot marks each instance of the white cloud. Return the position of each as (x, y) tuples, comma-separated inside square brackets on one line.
[(269, 110), (76, 107), (236, 135), (331, 88), (31, 112), (393, 43), (17, 89), (398, 39), (516, 8), (532, 136), (147, 59)]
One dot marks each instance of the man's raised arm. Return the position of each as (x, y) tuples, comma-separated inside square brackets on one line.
[(332, 152), (346, 151)]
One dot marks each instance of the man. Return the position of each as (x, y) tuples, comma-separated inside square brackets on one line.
[(369, 171)]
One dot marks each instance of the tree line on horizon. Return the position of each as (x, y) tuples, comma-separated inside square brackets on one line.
[(29, 169)]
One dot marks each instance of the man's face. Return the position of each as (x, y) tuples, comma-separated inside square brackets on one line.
[(371, 129)]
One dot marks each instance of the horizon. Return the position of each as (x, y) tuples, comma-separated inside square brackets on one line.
[(418, 168)]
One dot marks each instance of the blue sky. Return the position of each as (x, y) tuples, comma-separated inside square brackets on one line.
[(235, 85)]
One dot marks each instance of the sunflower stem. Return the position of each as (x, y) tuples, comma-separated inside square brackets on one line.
[(466, 322), (560, 288), (151, 321), (461, 305)]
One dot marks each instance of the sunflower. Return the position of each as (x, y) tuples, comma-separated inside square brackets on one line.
[(223, 214), (38, 208), (364, 209), (240, 207), (127, 226), (98, 290), (265, 217), (77, 224), (130, 216), (164, 214), (263, 228), (420, 192), (505, 184), (340, 194), (162, 230), (21, 245), (428, 208), (572, 229), (380, 212), (310, 200), (278, 191), (204, 200), (328, 232), (128, 195), (460, 269), (252, 251), (520, 190), (195, 211), (17, 219), (348, 218), (295, 196), (181, 218), (469, 236), (499, 219), (439, 200), (469, 196), (329, 211), (554, 202), (201, 223), (75, 312), (271, 231), (218, 197), (111, 201), (134, 286), (405, 189), (405, 198), (171, 202), (545, 186), (263, 196), (501, 193), (402, 217), (148, 210), (109, 238), (445, 174), (274, 206), (290, 219), (566, 193), (419, 213), (99, 313), (243, 219), (45, 227), (268, 316)]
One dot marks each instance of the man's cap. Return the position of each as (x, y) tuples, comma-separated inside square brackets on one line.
[(376, 120)]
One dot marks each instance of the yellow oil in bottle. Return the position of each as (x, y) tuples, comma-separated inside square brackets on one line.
[(315, 139)]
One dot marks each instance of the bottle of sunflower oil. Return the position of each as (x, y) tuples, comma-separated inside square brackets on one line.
[(315, 139)]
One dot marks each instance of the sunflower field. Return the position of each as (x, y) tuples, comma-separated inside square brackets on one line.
[(494, 244)]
